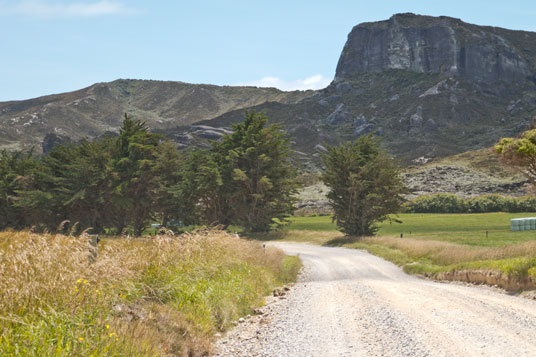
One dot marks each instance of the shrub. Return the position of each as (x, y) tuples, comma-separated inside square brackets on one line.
[(450, 203), (525, 204), (489, 203), (438, 203)]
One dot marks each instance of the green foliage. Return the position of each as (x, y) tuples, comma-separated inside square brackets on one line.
[(167, 173), (364, 185), (246, 179), (491, 203), (450, 203), (520, 152), (126, 182), (438, 203), (258, 180), (198, 192), (134, 180), (15, 174)]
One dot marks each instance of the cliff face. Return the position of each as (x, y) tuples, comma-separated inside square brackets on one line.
[(430, 86), (439, 45)]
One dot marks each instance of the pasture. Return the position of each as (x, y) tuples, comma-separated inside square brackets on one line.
[(467, 229), (433, 244)]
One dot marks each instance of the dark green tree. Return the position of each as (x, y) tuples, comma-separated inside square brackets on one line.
[(133, 176), (167, 173), (364, 184), (88, 184), (71, 182), (43, 200), (16, 174), (198, 195), (258, 181)]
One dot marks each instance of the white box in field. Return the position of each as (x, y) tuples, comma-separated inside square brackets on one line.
[(523, 224)]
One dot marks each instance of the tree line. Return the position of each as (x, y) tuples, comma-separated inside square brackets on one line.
[(450, 203), (247, 179), (126, 182)]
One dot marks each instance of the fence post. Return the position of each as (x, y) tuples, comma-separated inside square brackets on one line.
[(94, 240)]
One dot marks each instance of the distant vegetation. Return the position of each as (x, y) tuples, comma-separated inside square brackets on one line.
[(450, 203), (158, 297), (520, 152), (117, 184), (443, 246)]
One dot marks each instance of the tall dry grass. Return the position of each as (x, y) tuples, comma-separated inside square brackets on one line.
[(140, 297), (445, 253)]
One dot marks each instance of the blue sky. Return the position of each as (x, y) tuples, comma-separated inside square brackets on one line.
[(53, 46)]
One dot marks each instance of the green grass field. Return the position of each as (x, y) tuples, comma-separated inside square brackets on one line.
[(436, 244), (468, 229)]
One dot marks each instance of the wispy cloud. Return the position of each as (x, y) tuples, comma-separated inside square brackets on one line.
[(317, 81), (44, 9)]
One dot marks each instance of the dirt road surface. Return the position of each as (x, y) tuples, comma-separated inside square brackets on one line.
[(351, 303)]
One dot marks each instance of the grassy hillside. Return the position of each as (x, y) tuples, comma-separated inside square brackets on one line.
[(471, 173), (417, 115), (468, 174), (166, 296), (91, 111), (483, 160)]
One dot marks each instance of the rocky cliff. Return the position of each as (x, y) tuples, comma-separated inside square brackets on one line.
[(444, 45), (429, 86)]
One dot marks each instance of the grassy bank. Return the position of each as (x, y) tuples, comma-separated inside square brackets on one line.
[(472, 247), (167, 296)]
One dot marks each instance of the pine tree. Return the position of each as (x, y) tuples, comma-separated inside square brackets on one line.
[(167, 173), (16, 171), (134, 180), (198, 196), (258, 179), (89, 184), (364, 184)]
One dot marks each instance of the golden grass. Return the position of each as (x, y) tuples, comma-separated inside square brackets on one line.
[(165, 296), (304, 236), (445, 253)]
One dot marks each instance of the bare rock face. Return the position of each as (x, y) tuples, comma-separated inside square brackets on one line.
[(441, 45), (52, 140), (339, 115)]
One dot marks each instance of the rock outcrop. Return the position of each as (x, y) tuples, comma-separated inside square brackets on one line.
[(431, 87), (441, 45), (52, 140)]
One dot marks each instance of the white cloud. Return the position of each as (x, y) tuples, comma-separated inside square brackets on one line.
[(317, 81), (38, 8)]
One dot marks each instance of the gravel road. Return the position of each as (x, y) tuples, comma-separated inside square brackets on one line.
[(351, 303)]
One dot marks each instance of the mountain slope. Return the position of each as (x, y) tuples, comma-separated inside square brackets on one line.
[(91, 111), (430, 86)]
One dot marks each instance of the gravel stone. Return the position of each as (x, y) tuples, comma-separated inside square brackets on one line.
[(350, 303)]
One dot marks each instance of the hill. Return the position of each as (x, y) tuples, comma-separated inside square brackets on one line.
[(94, 110), (472, 173), (432, 87)]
